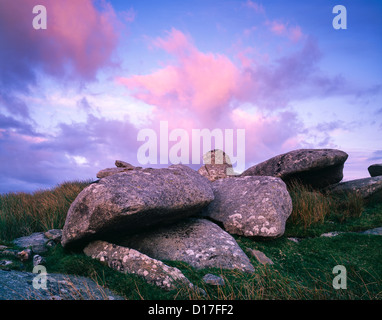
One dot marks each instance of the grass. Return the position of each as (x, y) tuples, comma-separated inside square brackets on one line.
[(23, 213), (301, 271)]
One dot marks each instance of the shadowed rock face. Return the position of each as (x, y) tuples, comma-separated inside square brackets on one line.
[(317, 168), (198, 242), (375, 170), (131, 201), (366, 187), (251, 206)]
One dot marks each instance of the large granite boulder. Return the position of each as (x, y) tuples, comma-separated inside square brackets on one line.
[(198, 242), (251, 206), (132, 201), (317, 168), (217, 165), (366, 187), (131, 261), (375, 170)]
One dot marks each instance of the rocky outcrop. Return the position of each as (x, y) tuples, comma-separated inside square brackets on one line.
[(317, 168), (131, 201), (217, 165), (198, 242), (375, 170), (366, 187), (16, 285), (131, 261), (251, 206)]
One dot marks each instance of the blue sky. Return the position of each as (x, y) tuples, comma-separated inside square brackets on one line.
[(73, 97)]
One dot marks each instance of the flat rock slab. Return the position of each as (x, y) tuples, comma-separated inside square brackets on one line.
[(260, 256), (39, 242), (110, 171), (17, 285), (375, 170), (131, 261), (251, 206), (366, 187), (375, 231), (132, 201), (198, 242), (317, 168)]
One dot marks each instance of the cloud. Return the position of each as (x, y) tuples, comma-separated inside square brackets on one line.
[(279, 28), (258, 8), (78, 41), (376, 155), (32, 160), (197, 82), (197, 90)]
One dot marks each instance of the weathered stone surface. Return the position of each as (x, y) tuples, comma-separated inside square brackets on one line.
[(375, 231), (132, 201), (315, 167), (198, 242), (375, 170), (260, 256), (54, 234), (123, 164), (38, 260), (331, 234), (217, 165), (110, 171), (251, 206), (213, 280), (131, 261), (16, 285), (36, 242), (366, 187)]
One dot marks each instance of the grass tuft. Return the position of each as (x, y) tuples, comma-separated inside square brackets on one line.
[(23, 213)]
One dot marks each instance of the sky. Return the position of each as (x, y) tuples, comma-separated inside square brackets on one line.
[(75, 96)]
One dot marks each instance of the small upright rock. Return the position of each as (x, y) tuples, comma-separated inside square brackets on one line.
[(217, 165), (123, 164)]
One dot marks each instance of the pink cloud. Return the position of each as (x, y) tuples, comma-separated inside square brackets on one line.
[(198, 90), (278, 28), (79, 39), (282, 29), (129, 15), (295, 34), (198, 82), (258, 8)]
